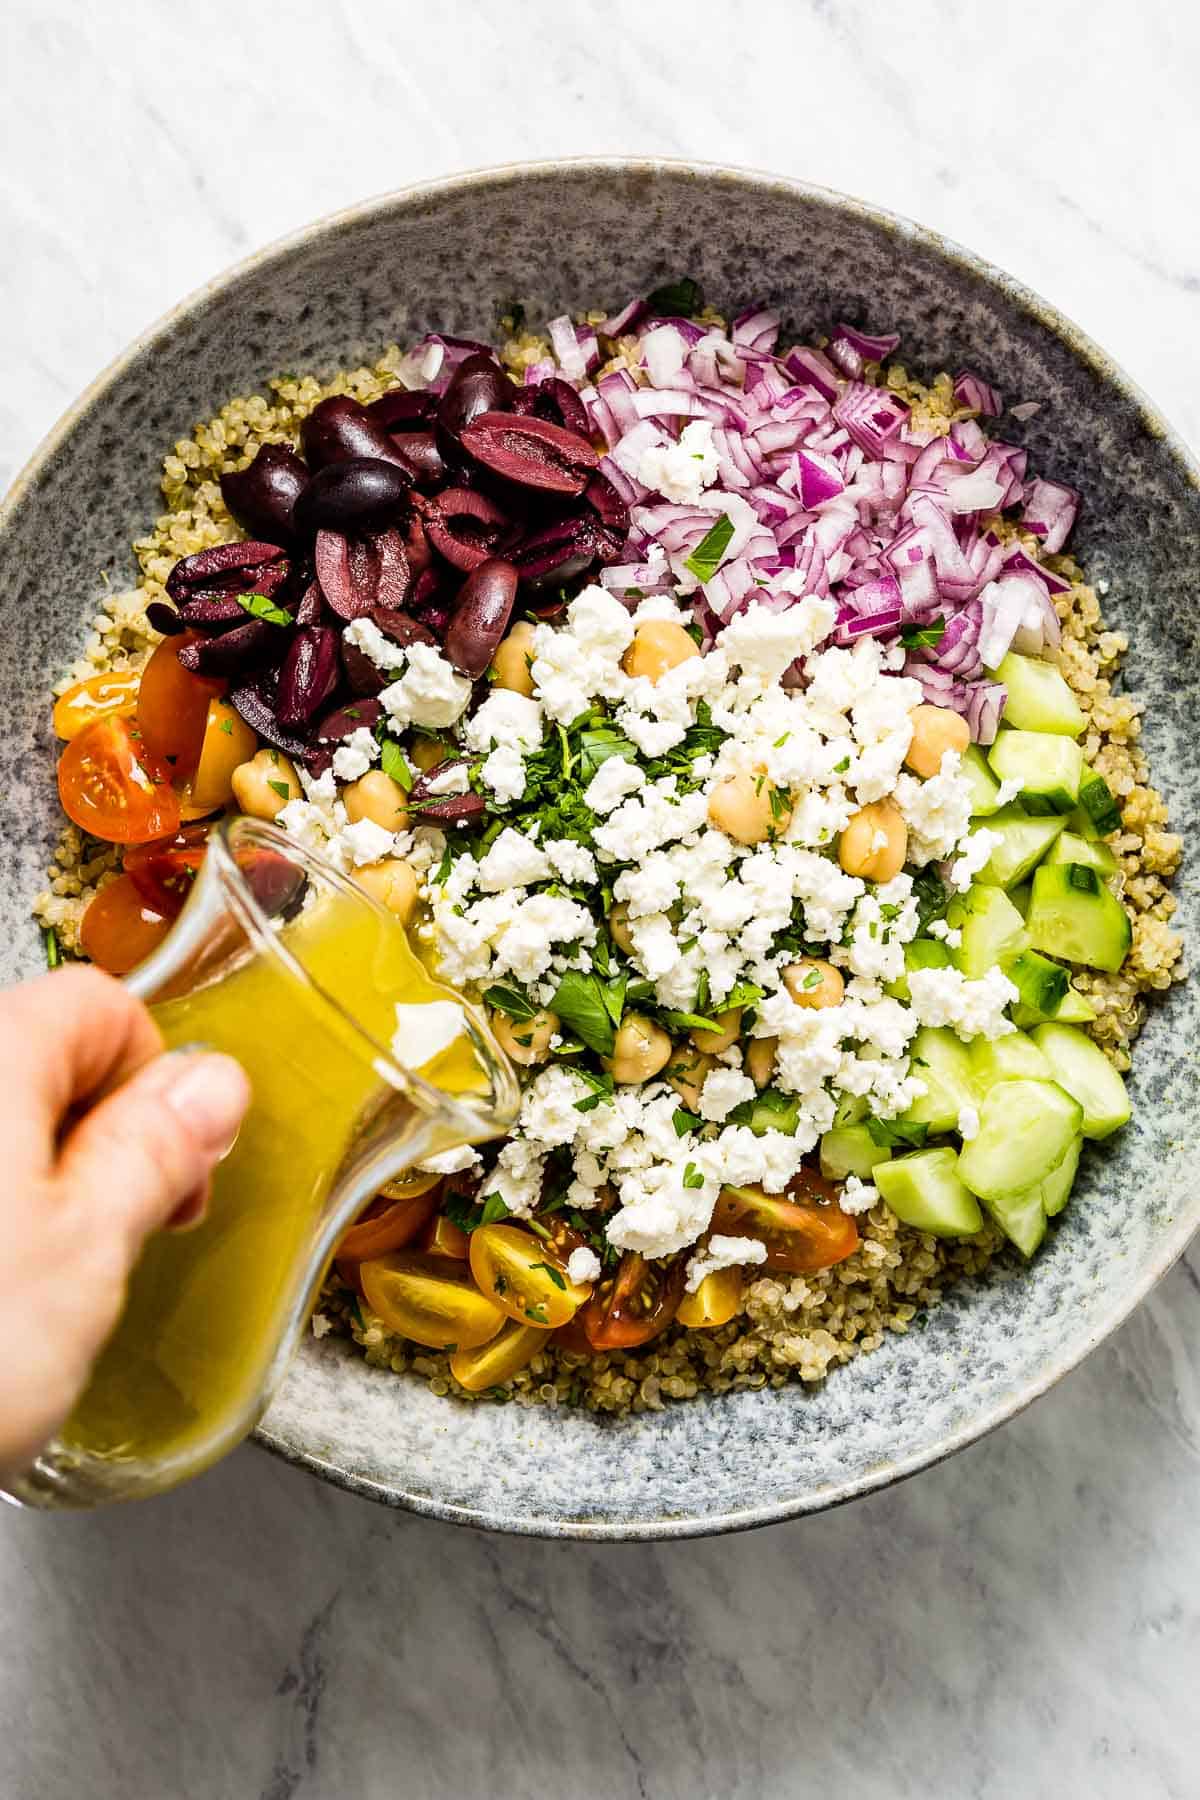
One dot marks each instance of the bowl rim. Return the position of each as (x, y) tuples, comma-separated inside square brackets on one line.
[(1173, 1240)]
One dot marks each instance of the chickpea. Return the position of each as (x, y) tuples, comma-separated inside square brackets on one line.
[(875, 842), (263, 786), (760, 1060), (686, 1073), (510, 664), (618, 928), (814, 982), (713, 1042), (527, 1041), (935, 729), (749, 809), (426, 753), (658, 645), (640, 1051), (392, 883), (377, 797)]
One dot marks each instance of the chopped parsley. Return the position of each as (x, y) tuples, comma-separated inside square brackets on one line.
[(706, 558), (261, 606), (53, 950), (692, 1177), (281, 788), (680, 299), (582, 1003), (393, 762), (923, 637), (510, 1000), (554, 1274)]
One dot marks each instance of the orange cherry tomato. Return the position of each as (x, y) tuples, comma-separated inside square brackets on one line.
[(560, 1238), (120, 928), (112, 786), (717, 1300), (392, 1220), (511, 1267), (99, 697), (487, 1365), (430, 1300), (227, 742), (442, 1237), (803, 1234), (635, 1304), (172, 705), (573, 1336), (163, 871)]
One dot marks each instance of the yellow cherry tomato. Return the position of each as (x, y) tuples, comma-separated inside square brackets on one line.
[(496, 1361), (429, 1299), (515, 1268), (715, 1301), (99, 697), (228, 742)]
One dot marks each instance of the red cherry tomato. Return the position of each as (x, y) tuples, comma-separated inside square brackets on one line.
[(392, 1220), (163, 871), (120, 928), (172, 707), (635, 1304), (112, 786), (804, 1233)]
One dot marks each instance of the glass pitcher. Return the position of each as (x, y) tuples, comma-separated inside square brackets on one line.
[(360, 1063)]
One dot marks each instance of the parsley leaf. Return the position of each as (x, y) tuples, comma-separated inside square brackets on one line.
[(281, 788), (923, 637), (886, 1132), (597, 744), (53, 953), (509, 1000), (582, 1004), (688, 1021), (537, 1314), (393, 762), (692, 1178), (554, 1274), (680, 299), (705, 559), (743, 993), (261, 606), (685, 1121), (932, 897)]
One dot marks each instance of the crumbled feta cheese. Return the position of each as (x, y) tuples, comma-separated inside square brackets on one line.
[(355, 754), (365, 842), (571, 862), (513, 861), (430, 692), (723, 1253), (583, 1265), (616, 777), (454, 780), (973, 854), (505, 718), (664, 1207), (452, 1162), (366, 636), (504, 772), (764, 643), (937, 811), (972, 1008), (681, 471), (968, 1123), (857, 1196), (723, 1090)]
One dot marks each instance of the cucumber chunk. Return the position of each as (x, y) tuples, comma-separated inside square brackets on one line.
[(1026, 1127), (943, 1063), (1093, 853), (1038, 697), (1073, 915), (1020, 896), (1021, 1217), (1049, 768), (992, 930), (1082, 1068), (851, 1151), (1042, 984), (1097, 801), (851, 1110), (770, 1111), (1072, 1009), (1056, 1188), (924, 1190), (1023, 844), (1010, 1058), (985, 789)]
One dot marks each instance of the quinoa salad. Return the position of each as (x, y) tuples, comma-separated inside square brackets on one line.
[(728, 716)]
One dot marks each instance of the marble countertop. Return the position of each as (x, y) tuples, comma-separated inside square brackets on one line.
[(1022, 1621)]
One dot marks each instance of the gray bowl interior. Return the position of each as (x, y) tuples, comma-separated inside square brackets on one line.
[(565, 236)]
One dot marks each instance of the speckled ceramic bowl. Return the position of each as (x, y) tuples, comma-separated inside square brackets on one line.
[(559, 236)]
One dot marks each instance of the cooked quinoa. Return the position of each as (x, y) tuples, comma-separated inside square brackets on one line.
[(792, 1326)]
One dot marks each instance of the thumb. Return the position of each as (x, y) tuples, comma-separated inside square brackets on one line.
[(150, 1146)]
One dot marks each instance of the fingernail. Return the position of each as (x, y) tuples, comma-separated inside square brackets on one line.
[(211, 1097)]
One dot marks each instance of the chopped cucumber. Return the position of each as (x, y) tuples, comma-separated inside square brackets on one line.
[(1049, 1195), (943, 1063), (1080, 824), (851, 1110), (924, 1190), (1026, 1127), (922, 953), (1097, 801), (1038, 697), (1006, 1059), (1021, 1217), (985, 789), (1072, 1009), (1082, 1068), (1019, 896), (851, 1151), (1042, 984), (992, 930), (1072, 914), (1049, 768), (1023, 843), (1056, 1188), (770, 1111), (1093, 853)]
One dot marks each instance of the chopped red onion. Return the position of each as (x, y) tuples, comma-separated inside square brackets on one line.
[(1050, 512), (851, 350), (870, 415), (972, 390)]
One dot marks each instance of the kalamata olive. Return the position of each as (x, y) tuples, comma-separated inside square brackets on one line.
[(465, 526), (359, 573), (531, 452), (455, 809), (557, 552), (340, 428), (255, 701), (427, 786), (309, 674), (556, 400), (262, 496), (212, 615), (344, 721), (164, 618), (480, 616), (309, 610), (246, 645), (422, 458), (364, 676), (360, 494), (416, 548), (608, 505), (228, 569), (478, 385), (405, 410), (400, 629)]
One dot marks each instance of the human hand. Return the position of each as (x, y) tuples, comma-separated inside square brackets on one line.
[(106, 1139)]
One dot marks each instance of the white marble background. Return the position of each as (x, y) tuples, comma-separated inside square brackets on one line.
[(1023, 1621)]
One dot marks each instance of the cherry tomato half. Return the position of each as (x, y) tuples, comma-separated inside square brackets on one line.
[(120, 928), (442, 1237), (172, 705), (717, 1300), (100, 696), (803, 1234), (227, 742), (487, 1365), (430, 1300), (112, 786), (392, 1220), (511, 1267), (163, 870), (635, 1304)]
